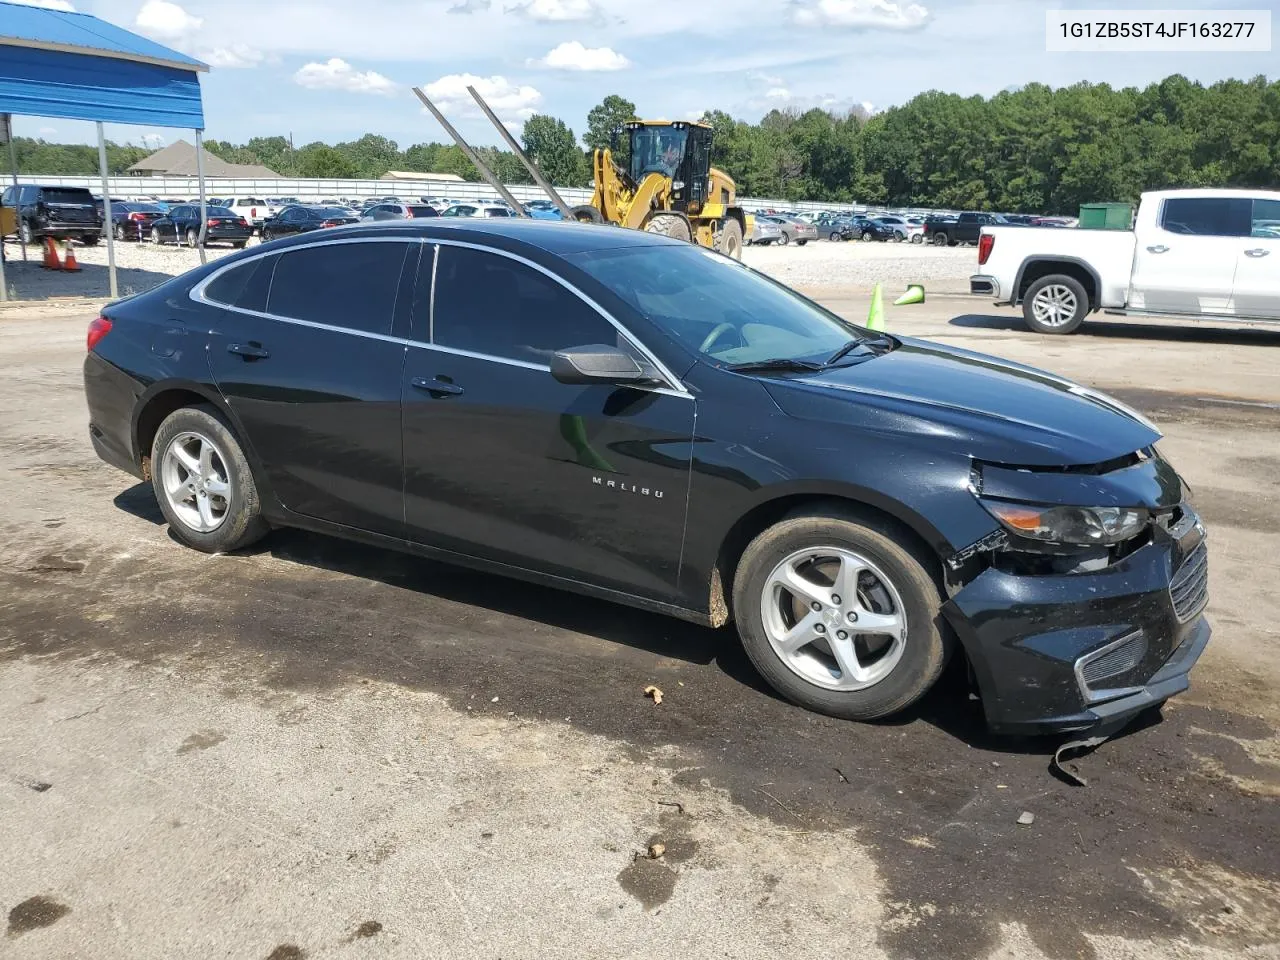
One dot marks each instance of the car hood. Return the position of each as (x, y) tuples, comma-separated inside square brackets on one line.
[(981, 406)]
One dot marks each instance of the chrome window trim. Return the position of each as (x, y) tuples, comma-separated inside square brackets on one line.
[(197, 293)]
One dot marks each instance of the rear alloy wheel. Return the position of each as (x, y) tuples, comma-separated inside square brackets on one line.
[(669, 225), (155, 236), (867, 236), (917, 238), (119, 232), (1055, 304), (835, 235), (783, 239), (192, 239), (28, 237), (840, 616), (939, 239), (203, 482)]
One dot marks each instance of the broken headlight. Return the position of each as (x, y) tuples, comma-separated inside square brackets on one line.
[(1086, 526)]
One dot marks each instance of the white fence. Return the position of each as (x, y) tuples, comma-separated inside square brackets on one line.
[(187, 188)]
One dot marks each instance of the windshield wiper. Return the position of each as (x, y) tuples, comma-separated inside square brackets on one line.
[(785, 364), (884, 340)]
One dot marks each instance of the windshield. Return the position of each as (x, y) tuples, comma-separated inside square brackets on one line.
[(717, 307), (656, 150)]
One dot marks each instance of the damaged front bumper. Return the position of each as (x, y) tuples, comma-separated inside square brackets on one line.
[(1066, 652)]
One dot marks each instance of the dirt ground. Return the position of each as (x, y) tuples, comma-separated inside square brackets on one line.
[(321, 750)]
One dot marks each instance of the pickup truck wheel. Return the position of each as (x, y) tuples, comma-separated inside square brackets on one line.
[(1055, 304), (840, 615), (938, 239)]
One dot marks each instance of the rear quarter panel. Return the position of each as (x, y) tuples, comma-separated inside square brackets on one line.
[(1108, 253)]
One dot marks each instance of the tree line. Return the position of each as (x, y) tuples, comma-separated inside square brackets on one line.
[(1035, 149)]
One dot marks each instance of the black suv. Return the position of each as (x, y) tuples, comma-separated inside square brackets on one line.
[(55, 212), (632, 417)]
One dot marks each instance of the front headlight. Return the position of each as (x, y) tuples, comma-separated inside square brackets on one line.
[(1087, 526)]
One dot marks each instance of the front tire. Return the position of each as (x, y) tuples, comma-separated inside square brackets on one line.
[(27, 234), (1056, 304), (731, 239), (586, 213), (669, 225), (819, 658), (203, 482), (801, 243)]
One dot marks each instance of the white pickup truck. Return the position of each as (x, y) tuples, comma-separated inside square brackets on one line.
[(1203, 254)]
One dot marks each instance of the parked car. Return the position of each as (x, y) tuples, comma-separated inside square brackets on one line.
[(899, 226), (836, 228), (253, 209), (132, 221), (47, 211), (964, 229), (915, 231), (1203, 254), (474, 210), (793, 230), (304, 219), (860, 505), (543, 210), (868, 229), (398, 211), (764, 232), (182, 225)]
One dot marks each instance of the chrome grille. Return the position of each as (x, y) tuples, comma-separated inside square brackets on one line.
[(1189, 588), (1113, 660)]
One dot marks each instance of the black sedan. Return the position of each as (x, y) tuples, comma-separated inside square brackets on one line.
[(521, 397), (304, 219), (182, 225), (132, 221), (866, 229)]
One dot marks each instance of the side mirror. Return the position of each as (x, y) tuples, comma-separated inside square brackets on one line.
[(597, 364)]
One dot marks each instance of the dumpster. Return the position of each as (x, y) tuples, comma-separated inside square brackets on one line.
[(1106, 216)]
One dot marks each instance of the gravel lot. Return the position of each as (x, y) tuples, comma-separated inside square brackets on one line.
[(847, 265)]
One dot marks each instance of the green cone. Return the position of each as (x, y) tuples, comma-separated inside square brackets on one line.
[(875, 319), (914, 294)]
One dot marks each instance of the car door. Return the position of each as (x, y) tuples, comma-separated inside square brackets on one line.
[(1185, 262), (308, 353), (292, 220), (1257, 285), (503, 462)]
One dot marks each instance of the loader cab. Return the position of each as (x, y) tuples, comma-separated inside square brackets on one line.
[(680, 151)]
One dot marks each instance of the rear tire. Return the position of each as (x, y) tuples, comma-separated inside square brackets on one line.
[(918, 238), (939, 239), (783, 240), (235, 514), (801, 243), (867, 236), (27, 234), (586, 213), (193, 239), (669, 225), (1056, 304), (895, 583), (731, 239), (90, 240)]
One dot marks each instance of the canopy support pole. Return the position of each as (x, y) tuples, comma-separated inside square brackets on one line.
[(13, 166), (204, 213), (107, 222)]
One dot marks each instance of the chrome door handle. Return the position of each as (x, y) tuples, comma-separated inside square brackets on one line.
[(1259, 252), (250, 351), (437, 388), (1158, 248)]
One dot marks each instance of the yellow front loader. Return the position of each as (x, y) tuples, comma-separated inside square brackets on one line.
[(669, 187)]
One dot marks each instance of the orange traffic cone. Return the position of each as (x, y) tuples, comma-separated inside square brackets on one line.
[(50, 255), (69, 263)]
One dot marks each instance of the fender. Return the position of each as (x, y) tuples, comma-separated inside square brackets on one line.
[(1015, 297)]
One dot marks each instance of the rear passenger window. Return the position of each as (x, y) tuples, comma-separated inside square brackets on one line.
[(349, 285), (1208, 216), (493, 305), (244, 286)]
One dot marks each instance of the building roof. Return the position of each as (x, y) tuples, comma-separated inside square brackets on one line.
[(413, 175), (179, 159), (74, 66), (38, 28)]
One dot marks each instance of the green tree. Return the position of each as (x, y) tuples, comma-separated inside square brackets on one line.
[(553, 147), (322, 161), (605, 118)]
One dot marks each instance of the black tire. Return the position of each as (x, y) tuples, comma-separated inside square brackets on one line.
[(938, 239), (242, 523), (28, 235), (835, 235), (952, 243), (731, 239), (586, 213), (266, 236), (669, 225), (917, 238), (928, 641), (801, 243), (156, 238), (783, 240), (897, 237), (193, 239), (867, 236), (238, 244), (90, 240), (1072, 322), (119, 232)]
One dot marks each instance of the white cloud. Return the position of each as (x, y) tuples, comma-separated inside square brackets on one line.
[(47, 131), (767, 79), (469, 6), (513, 104), (558, 11), (337, 74), (62, 5), (234, 56), (777, 93), (572, 55), (166, 21), (859, 14)]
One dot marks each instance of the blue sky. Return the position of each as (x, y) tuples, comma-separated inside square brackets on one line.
[(335, 69)]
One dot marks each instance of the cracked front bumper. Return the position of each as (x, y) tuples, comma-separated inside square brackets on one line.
[(1031, 640)]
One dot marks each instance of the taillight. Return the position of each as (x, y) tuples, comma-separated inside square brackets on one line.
[(243, 222), (253, 211), (137, 216), (215, 222), (329, 223), (985, 245), (98, 329)]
